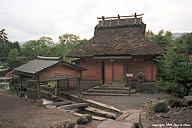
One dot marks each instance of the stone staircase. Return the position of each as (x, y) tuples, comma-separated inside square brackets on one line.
[(110, 90)]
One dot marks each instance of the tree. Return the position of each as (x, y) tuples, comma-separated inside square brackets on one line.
[(67, 42), (176, 76), (6, 45), (13, 54), (3, 43), (162, 38), (13, 60), (41, 47)]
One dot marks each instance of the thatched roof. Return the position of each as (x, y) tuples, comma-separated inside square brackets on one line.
[(117, 37)]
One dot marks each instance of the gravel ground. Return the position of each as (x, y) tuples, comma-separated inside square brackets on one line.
[(126, 102), (16, 112)]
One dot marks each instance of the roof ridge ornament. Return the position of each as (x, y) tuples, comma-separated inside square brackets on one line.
[(49, 58), (118, 17)]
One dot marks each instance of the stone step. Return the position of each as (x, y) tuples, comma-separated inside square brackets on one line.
[(113, 85), (111, 88), (101, 112), (110, 94), (110, 91)]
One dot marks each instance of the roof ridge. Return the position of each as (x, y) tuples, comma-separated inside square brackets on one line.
[(49, 58)]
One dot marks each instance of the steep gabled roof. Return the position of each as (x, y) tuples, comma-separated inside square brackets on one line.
[(118, 37)]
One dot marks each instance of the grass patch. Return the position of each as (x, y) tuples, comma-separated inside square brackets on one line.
[(5, 124), (52, 83), (168, 100)]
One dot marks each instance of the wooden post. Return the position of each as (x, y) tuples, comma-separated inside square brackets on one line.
[(103, 20), (21, 82), (129, 75), (39, 88), (110, 23), (135, 18), (118, 21), (129, 87), (56, 88), (80, 83)]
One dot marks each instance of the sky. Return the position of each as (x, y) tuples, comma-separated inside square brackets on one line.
[(26, 20)]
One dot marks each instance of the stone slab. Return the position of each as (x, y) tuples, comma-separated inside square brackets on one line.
[(122, 117), (188, 98), (132, 118), (113, 124)]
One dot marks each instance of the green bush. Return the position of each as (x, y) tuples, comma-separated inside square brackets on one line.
[(12, 90), (160, 107), (5, 64)]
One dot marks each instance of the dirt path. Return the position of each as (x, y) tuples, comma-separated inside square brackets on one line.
[(126, 102), (16, 112)]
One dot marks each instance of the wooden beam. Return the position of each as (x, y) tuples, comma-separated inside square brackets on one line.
[(120, 16), (101, 112)]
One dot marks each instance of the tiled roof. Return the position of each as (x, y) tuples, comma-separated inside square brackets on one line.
[(42, 63), (36, 65)]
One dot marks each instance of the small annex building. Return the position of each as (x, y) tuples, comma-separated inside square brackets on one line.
[(118, 47), (50, 69)]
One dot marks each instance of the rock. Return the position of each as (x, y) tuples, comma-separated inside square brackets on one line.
[(83, 120), (161, 107), (89, 117), (176, 103), (55, 125), (69, 124), (190, 103), (189, 100)]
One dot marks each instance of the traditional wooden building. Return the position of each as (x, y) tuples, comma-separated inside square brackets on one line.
[(50, 69), (118, 47)]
